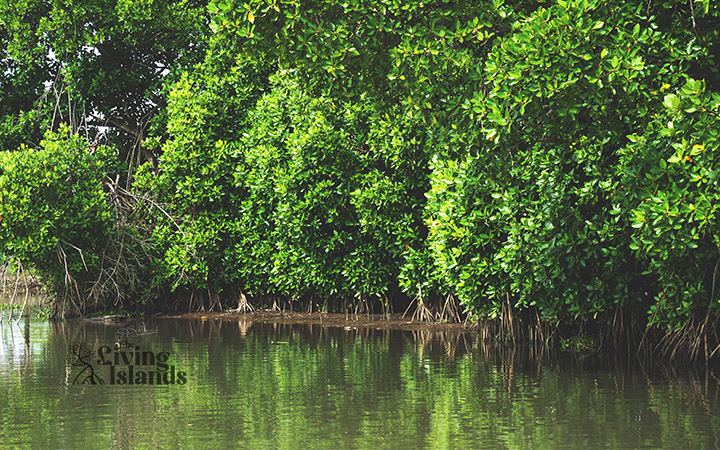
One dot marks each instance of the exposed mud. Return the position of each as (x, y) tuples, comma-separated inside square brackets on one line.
[(348, 321)]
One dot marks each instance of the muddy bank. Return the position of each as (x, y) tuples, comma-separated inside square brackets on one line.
[(351, 321)]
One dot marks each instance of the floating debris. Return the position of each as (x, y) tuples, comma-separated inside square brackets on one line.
[(129, 332), (108, 318)]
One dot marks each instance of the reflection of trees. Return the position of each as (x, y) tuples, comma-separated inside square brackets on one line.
[(81, 351), (368, 388)]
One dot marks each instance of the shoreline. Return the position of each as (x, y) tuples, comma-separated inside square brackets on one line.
[(393, 321)]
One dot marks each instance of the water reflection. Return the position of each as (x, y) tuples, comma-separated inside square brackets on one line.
[(280, 385)]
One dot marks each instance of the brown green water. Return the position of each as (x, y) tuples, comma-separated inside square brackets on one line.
[(271, 386)]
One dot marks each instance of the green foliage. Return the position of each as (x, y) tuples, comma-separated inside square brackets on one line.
[(533, 213), (581, 343), (20, 87), (207, 110), (425, 55), (311, 208), (54, 213), (670, 179), (93, 64), (43, 311), (480, 151), (556, 158), (316, 227), (390, 198)]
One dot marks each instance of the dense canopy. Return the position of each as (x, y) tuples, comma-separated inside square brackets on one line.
[(551, 161)]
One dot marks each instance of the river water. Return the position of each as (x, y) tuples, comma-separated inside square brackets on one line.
[(243, 384)]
